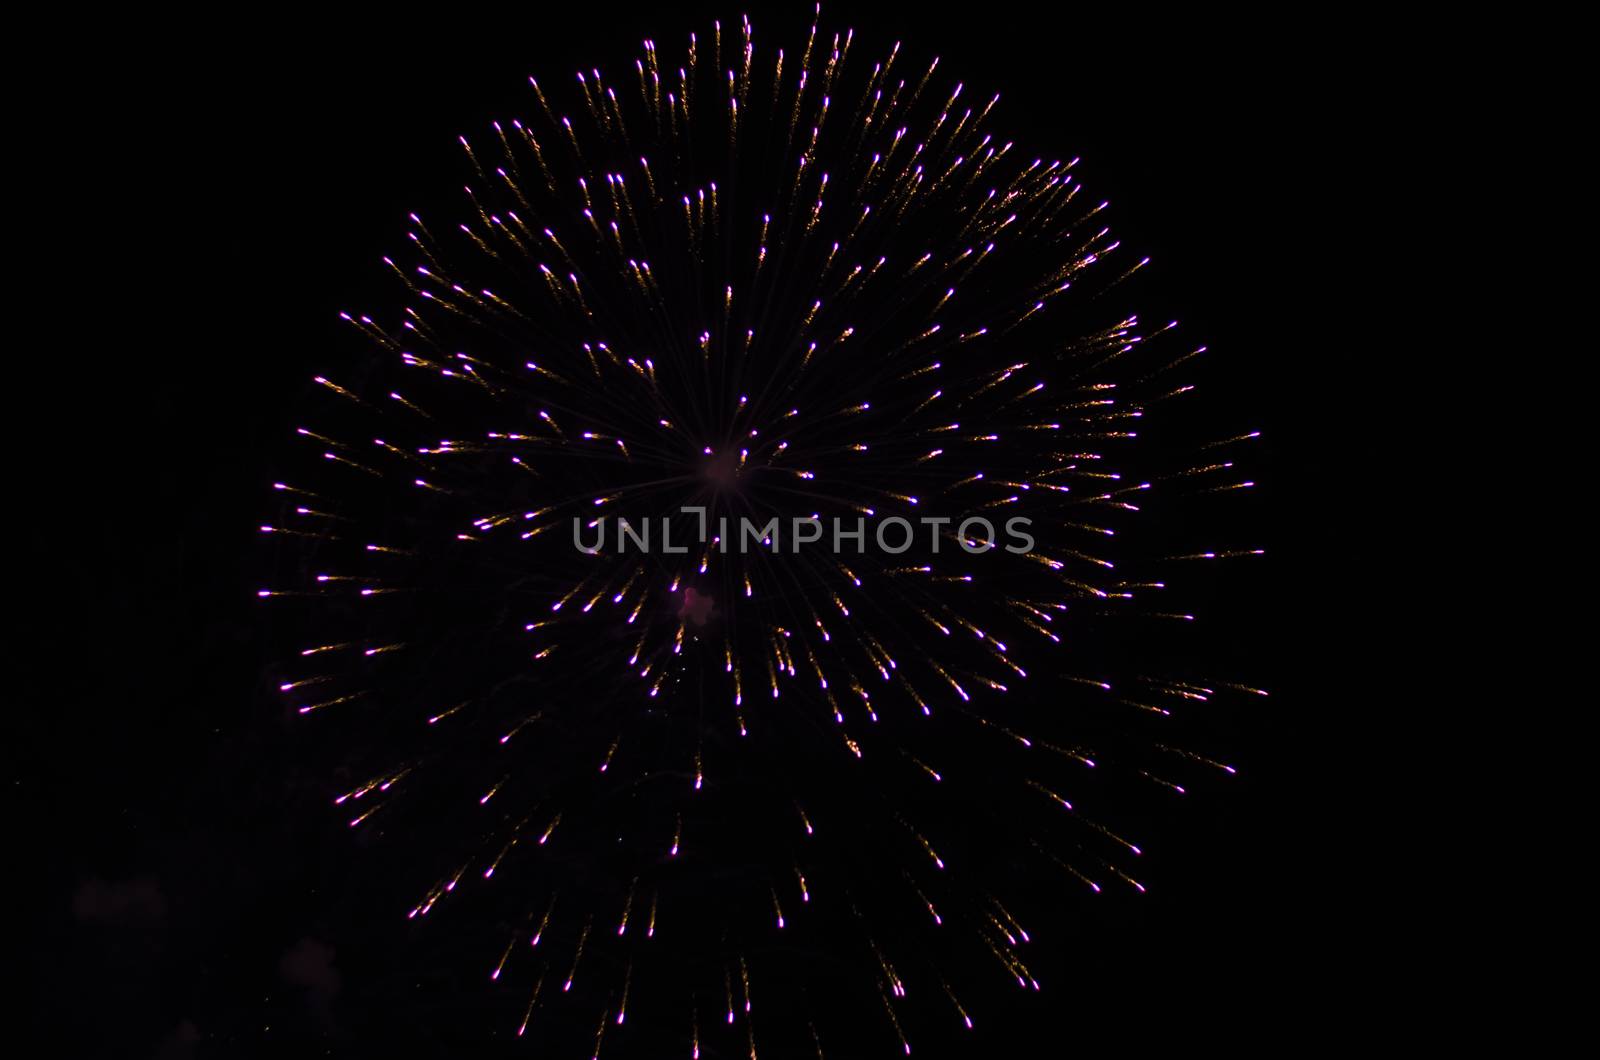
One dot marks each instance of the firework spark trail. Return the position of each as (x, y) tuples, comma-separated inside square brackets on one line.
[(775, 286)]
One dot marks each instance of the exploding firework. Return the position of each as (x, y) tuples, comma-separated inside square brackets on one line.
[(645, 565)]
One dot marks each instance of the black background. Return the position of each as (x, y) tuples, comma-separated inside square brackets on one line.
[(214, 193)]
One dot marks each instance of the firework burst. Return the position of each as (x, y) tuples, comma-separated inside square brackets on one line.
[(719, 781)]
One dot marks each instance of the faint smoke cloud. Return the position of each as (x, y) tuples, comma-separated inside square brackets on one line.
[(309, 964), (138, 900)]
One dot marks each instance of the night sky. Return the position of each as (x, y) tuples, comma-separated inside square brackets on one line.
[(189, 893)]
